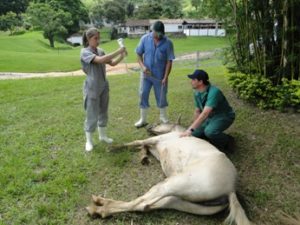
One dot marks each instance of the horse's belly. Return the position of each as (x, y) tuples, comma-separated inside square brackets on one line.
[(200, 165)]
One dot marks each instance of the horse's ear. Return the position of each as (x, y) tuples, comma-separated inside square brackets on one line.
[(178, 120)]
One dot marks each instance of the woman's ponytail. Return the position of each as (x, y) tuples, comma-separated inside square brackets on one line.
[(85, 41)]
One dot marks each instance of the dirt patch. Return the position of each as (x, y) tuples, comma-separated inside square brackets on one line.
[(196, 55), (122, 68)]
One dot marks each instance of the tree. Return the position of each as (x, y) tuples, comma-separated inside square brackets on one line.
[(114, 12), (52, 22), (171, 9), (196, 4), (15, 6), (215, 9), (130, 7), (154, 9), (9, 21), (149, 10), (75, 8), (96, 14)]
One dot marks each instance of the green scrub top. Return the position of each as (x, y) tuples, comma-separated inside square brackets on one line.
[(214, 98)]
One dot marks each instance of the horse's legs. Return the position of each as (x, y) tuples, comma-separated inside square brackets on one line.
[(154, 152), (148, 141), (172, 186), (173, 202), (108, 206)]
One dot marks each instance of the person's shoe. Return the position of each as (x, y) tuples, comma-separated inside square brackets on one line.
[(88, 146), (140, 124), (163, 115), (142, 121), (89, 141), (103, 136), (230, 146)]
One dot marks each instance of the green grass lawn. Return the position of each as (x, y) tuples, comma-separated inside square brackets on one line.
[(30, 52), (47, 178)]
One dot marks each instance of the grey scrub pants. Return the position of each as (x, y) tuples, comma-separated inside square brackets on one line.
[(96, 111)]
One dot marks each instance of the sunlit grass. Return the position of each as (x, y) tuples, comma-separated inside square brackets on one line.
[(47, 178), (30, 52)]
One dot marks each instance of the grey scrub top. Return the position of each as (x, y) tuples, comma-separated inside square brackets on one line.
[(95, 81)]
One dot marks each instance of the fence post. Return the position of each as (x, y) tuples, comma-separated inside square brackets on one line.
[(198, 59)]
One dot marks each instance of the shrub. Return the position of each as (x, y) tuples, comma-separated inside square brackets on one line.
[(261, 92), (18, 31)]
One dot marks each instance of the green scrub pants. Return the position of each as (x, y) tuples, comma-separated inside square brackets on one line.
[(212, 130)]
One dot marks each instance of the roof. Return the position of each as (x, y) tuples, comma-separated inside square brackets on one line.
[(136, 23), (76, 35), (193, 21), (168, 21)]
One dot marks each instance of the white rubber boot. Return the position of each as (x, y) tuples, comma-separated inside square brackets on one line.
[(103, 136), (143, 120), (89, 141), (163, 115)]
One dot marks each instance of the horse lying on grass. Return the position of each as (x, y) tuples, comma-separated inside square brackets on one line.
[(199, 179)]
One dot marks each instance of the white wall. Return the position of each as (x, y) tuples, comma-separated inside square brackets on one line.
[(172, 28), (75, 40), (204, 32)]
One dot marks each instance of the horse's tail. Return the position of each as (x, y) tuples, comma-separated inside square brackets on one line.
[(237, 213)]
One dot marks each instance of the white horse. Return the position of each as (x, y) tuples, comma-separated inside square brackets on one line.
[(199, 179)]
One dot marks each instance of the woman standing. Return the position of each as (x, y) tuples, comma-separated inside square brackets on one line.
[(96, 87)]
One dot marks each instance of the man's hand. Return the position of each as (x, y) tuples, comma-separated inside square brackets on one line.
[(125, 53), (146, 71), (164, 81), (186, 133)]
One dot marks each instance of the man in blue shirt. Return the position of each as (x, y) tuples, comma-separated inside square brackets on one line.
[(155, 55)]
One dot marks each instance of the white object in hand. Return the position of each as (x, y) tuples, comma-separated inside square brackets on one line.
[(121, 43)]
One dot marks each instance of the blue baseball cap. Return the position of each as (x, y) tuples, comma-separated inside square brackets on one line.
[(199, 75)]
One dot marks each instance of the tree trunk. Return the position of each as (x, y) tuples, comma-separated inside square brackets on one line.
[(238, 39), (51, 41), (283, 61), (292, 75)]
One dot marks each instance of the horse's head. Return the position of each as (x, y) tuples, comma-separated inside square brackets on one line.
[(157, 129)]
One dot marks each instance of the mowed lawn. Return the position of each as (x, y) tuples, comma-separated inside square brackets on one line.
[(47, 177), (30, 52)]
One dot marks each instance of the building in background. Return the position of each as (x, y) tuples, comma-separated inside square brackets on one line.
[(188, 27)]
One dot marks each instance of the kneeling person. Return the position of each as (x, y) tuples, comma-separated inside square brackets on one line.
[(213, 114)]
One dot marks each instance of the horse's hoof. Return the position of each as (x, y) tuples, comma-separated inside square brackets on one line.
[(91, 210), (98, 200)]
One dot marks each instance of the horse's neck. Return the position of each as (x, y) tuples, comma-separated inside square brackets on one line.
[(179, 128)]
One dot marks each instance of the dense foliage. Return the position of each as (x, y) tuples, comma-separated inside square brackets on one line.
[(260, 91), (9, 21), (16, 6), (265, 45), (74, 8), (117, 11), (267, 39)]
